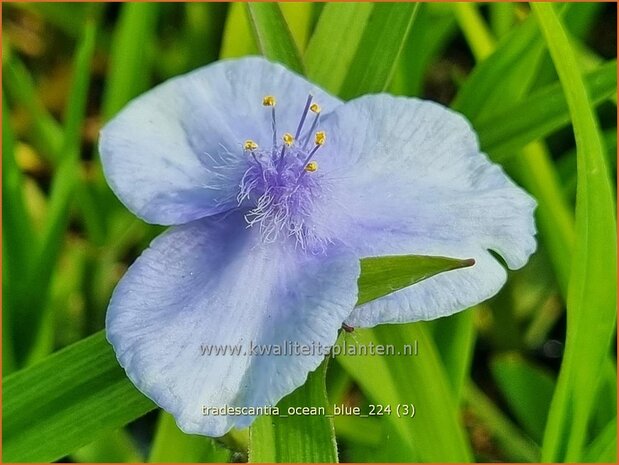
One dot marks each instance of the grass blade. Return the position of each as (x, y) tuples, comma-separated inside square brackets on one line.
[(527, 390), (297, 438), (130, 56), (18, 229), (503, 76), (238, 40), (171, 445), (17, 235), (434, 434), (435, 25), (474, 29), (592, 293), (21, 89), (377, 55), (300, 17), (31, 304), (603, 449), (342, 24), (518, 447), (503, 132), (273, 35), (80, 392), (455, 340), (114, 447)]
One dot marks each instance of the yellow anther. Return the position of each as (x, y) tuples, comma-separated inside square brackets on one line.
[(314, 107), (250, 145), (288, 139), (311, 167), (269, 101), (320, 138)]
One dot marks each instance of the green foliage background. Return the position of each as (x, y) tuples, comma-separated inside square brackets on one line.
[(527, 376)]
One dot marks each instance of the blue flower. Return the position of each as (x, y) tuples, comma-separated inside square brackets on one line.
[(274, 190)]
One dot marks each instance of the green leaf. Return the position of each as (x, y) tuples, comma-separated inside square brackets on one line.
[(527, 390), (592, 293), (130, 55), (17, 237), (502, 77), (170, 444), (300, 17), (603, 449), (32, 304), (204, 25), (21, 89), (434, 26), (503, 132), (297, 438), (502, 16), (113, 447), (342, 24), (455, 341), (18, 234), (377, 54), (403, 271), (434, 433), (518, 446), (238, 40), (65, 16), (273, 36), (475, 30), (66, 401)]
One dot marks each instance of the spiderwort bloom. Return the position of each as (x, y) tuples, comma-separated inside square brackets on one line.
[(274, 190)]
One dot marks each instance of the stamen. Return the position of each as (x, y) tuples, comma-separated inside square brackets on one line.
[(320, 138), (315, 108), (288, 139), (311, 167), (304, 115), (269, 101), (250, 145)]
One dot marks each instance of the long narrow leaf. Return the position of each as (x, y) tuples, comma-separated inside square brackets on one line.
[(238, 39), (130, 60), (21, 89), (592, 291), (170, 444), (377, 55), (342, 24), (63, 187), (80, 392), (297, 438), (513, 441), (527, 390), (273, 36), (505, 131), (434, 434)]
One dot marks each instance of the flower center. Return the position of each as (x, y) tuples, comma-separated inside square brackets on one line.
[(280, 185)]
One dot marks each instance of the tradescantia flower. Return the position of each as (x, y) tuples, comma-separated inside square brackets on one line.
[(274, 190)]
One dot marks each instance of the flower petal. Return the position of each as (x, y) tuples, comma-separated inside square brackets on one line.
[(210, 283), (407, 177), (175, 154)]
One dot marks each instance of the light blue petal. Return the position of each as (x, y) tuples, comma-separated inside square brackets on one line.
[(175, 154), (212, 282), (406, 176)]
